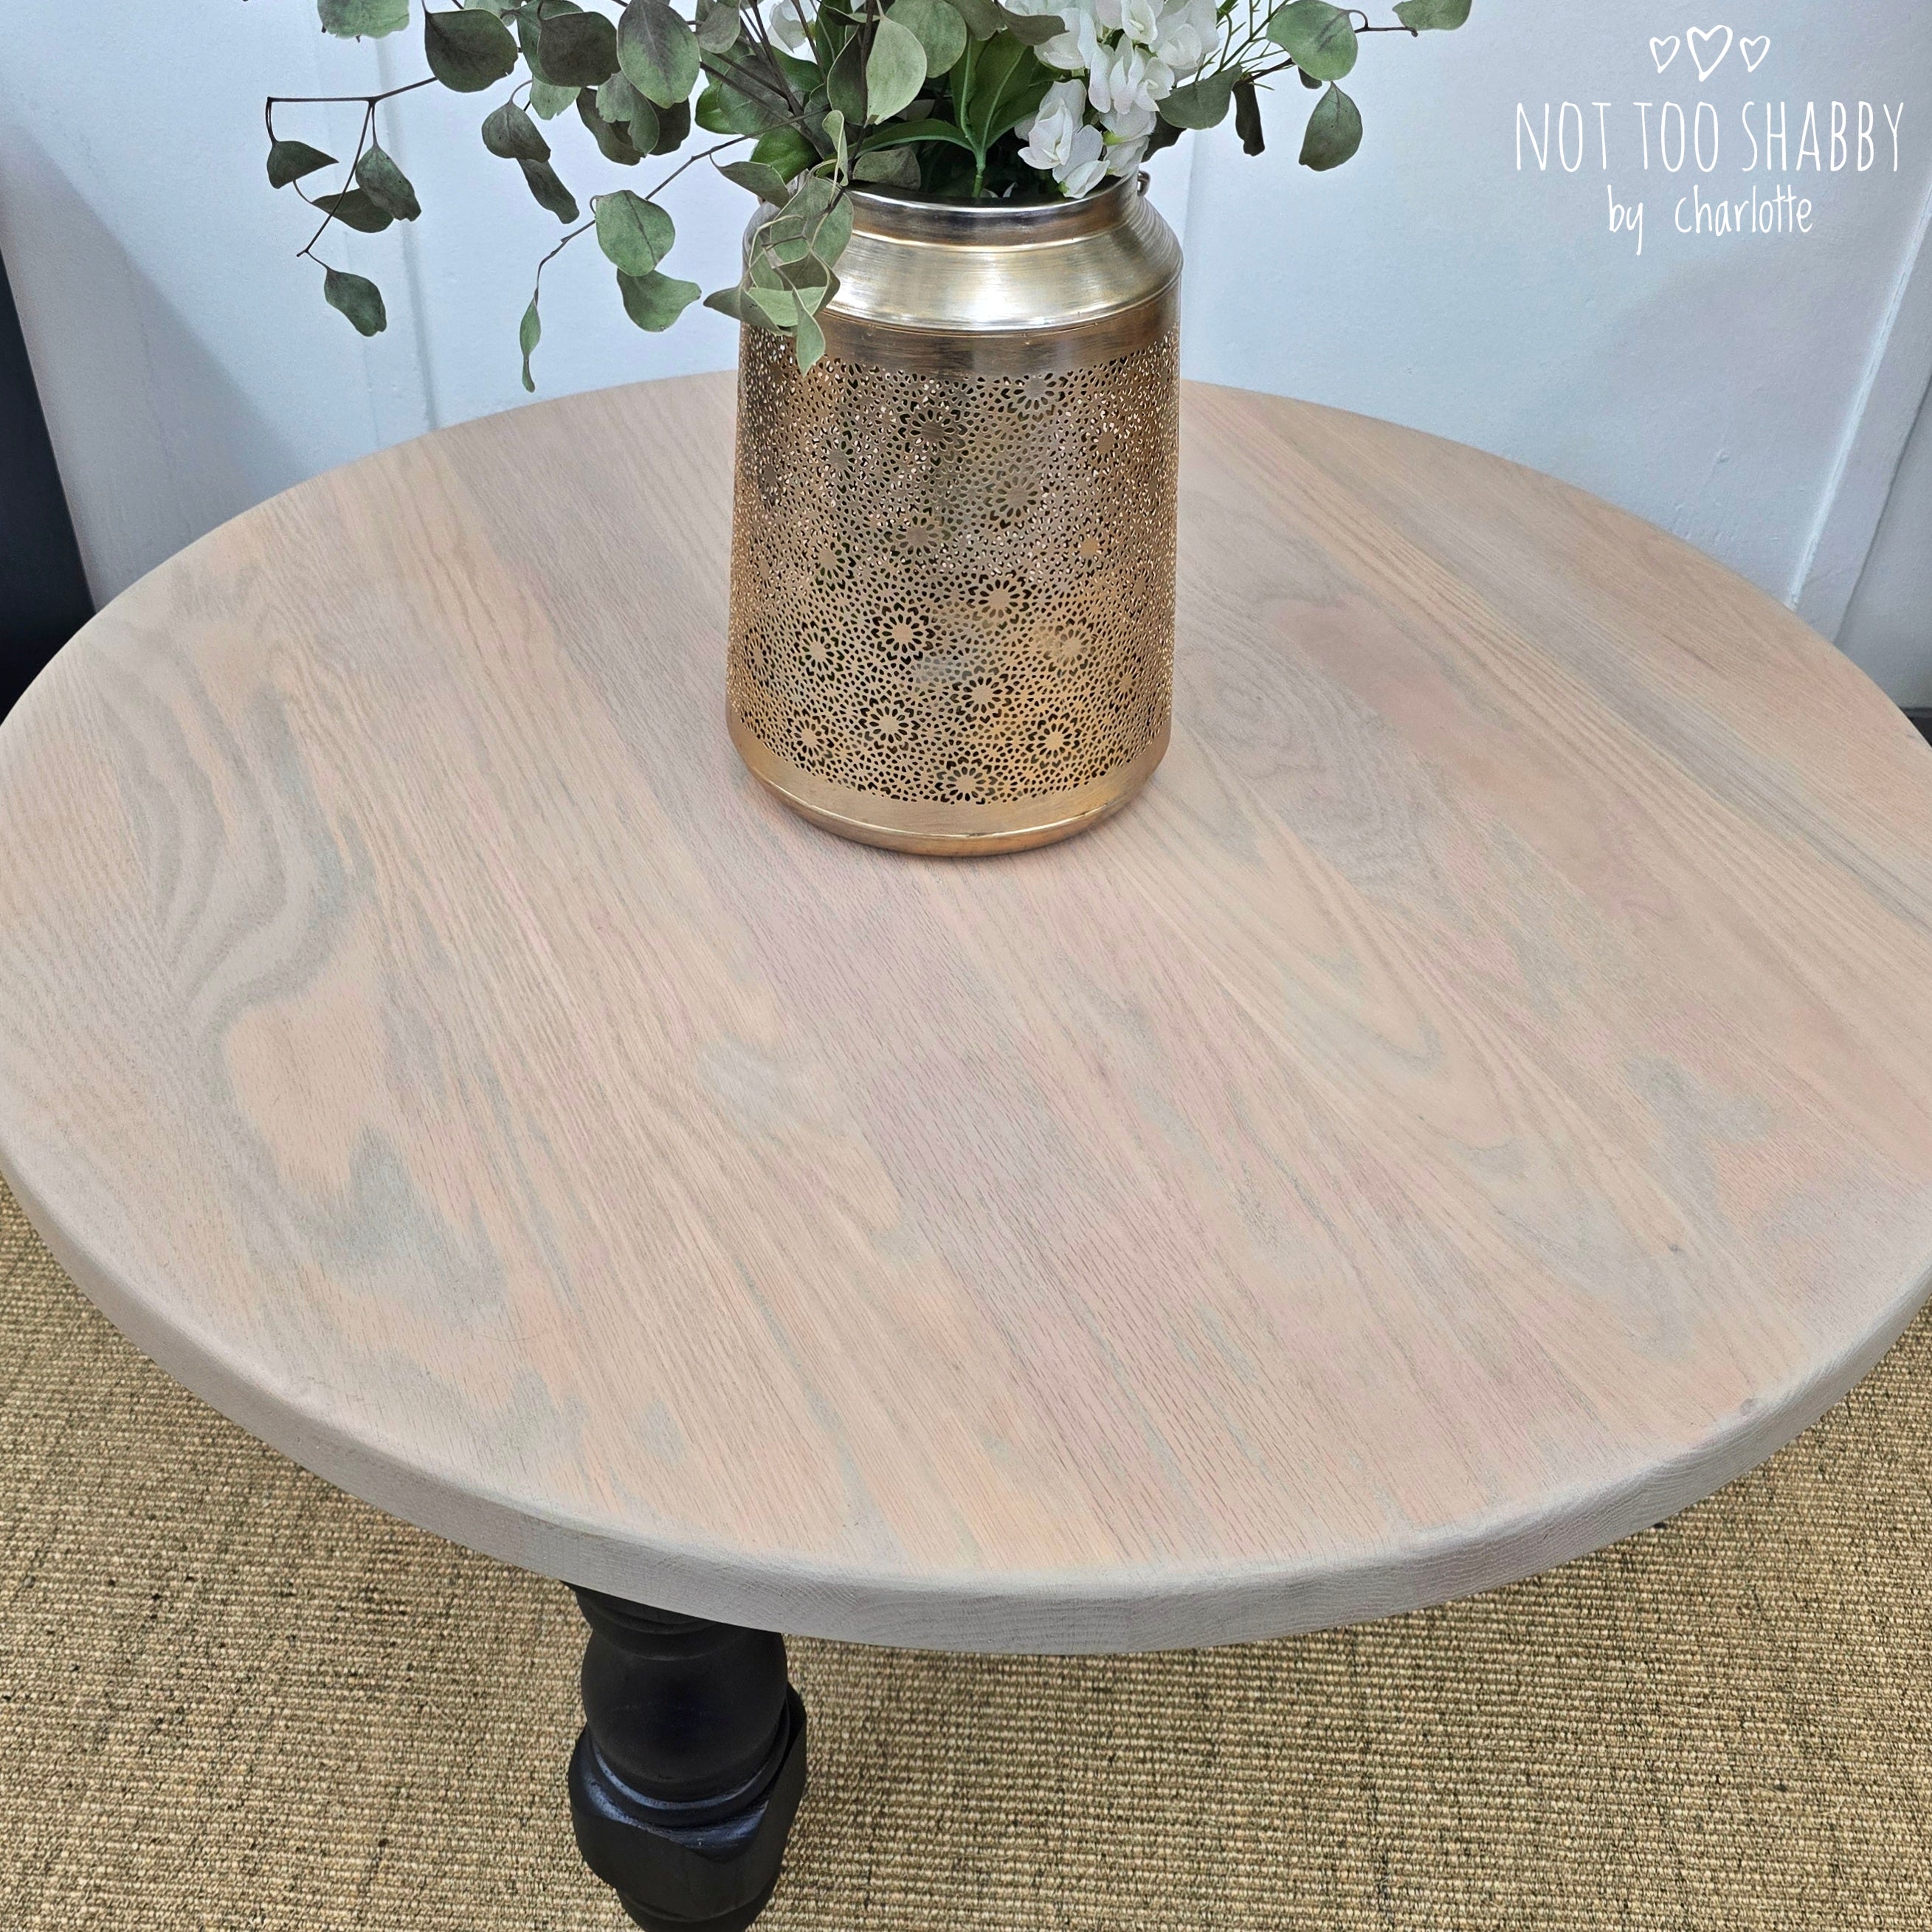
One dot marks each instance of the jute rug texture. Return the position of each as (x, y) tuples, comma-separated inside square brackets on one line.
[(231, 1697)]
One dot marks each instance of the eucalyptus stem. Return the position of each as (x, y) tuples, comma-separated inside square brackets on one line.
[(348, 182)]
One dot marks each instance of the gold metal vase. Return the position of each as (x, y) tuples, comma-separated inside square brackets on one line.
[(952, 550)]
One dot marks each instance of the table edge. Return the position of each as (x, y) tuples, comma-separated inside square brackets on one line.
[(1112, 1611)]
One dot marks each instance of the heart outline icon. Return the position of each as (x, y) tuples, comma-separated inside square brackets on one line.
[(1707, 35), (1663, 60), (1762, 44)]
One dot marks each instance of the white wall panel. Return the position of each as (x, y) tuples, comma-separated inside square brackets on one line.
[(1715, 385)]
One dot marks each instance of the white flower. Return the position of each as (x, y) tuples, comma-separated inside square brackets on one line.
[(1187, 34), (1072, 51), (1140, 21), (1123, 76), (1059, 143), (1129, 123), (1050, 133), (1124, 156), (784, 21)]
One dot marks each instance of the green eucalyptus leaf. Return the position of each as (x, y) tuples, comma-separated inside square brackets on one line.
[(548, 100), (529, 333), (834, 133), (1420, 16), (1248, 118), (1201, 103), (550, 192), (888, 167), (811, 201), (355, 209), (1306, 80), (647, 127), (289, 161), (895, 69), (351, 19), (659, 52), (937, 27), (785, 151), (845, 84), (618, 101), (833, 231), (1318, 38), (757, 179), (779, 306), (577, 50), (1032, 30), (723, 109), (727, 301), (468, 49), (718, 31), (386, 185), (655, 301), (634, 234), (356, 297), (983, 18), (509, 131), (808, 341), (1334, 132), (673, 126), (620, 104), (614, 143)]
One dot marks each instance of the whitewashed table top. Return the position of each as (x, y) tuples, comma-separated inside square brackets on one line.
[(1476, 1102)]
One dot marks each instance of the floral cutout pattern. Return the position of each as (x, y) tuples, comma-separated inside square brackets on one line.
[(957, 589)]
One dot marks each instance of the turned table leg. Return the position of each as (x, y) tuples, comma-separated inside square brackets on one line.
[(690, 1767)]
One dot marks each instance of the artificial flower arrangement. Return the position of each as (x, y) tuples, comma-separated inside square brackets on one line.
[(960, 100)]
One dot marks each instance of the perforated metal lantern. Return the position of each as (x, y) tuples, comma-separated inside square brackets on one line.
[(953, 538)]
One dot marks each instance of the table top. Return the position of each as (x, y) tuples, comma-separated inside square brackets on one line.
[(1477, 1100)]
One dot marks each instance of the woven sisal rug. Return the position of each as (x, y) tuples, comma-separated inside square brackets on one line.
[(230, 1697)]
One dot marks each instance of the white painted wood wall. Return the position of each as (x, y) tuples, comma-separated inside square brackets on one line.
[(1753, 394)]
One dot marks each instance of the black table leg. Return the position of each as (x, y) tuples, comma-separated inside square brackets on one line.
[(684, 1783)]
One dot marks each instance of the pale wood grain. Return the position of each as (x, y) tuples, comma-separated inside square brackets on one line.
[(1478, 1100)]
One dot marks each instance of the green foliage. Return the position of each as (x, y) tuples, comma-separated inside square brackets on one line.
[(985, 18), (895, 69), (356, 297), (355, 209), (1248, 118), (386, 185), (1334, 131), (634, 234), (613, 141), (529, 333), (758, 178), (549, 191), (351, 19), (1318, 38), (290, 160), (923, 95), (655, 301), (1420, 16), (659, 52), (785, 151), (718, 28), (468, 50), (1202, 103), (509, 131), (577, 50), (936, 26)]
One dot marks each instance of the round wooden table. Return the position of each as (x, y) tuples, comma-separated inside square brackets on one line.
[(1478, 1100)]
